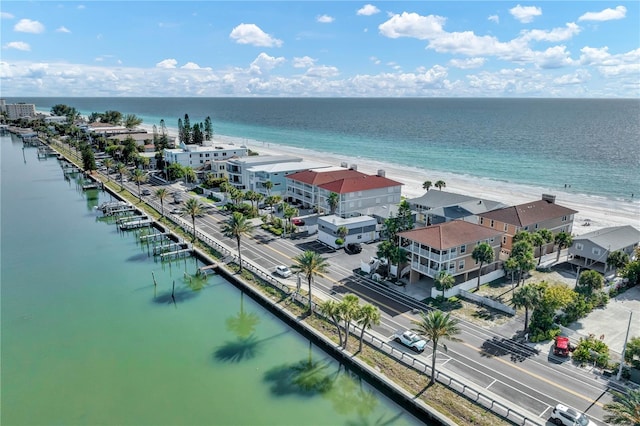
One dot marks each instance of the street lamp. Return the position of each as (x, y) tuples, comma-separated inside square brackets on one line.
[(624, 348)]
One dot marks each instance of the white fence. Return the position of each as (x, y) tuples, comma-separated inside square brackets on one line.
[(467, 285)]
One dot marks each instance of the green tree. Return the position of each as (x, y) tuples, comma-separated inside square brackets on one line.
[(175, 171), (522, 252), (482, 253), (405, 217), (539, 239), (162, 193), (331, 309), (444, 281), (271, 201), (617, 259), (123, 172), (111, 117), (131, 121), (426, 185), (521, 236), (236, 227), (399, 257), (310, 264), (268, 186), (368, 316), (526, 297), (208, 129), (625, 408), (139, 177), (385, 251), (440, 184), (632, 353), (333, 200), (342, 232), (435, 326), (186, 129), (562, 240), (349, 308), (632, 272), (197, 135), (88, 159), (589, 281), (193, 208), (510, 267)]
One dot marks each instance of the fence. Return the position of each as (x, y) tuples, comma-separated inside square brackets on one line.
[(467, 285)]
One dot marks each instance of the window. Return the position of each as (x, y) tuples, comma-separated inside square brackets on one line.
[(491, 223), (564, 218), (482, 221), (505, 227), (461, 265), (596, 251), (579, 246), (463, 248), (526, 228), (536, 226), (504, 240)]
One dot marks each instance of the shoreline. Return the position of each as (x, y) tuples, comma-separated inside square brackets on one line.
[(600, 212)]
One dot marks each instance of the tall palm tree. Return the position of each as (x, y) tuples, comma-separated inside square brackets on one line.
[(333, 200), (349, 308), (482, 253), (625, 408), (522, 252), (193, 208), (330, 308), (368, 316), (526, 297), (235, 227), (444, 281), (426, 185), (123, 171), (540, 238), (268, 185), (310, 264), (435, 326), (108, 163), (440, 184), (139, 177), (271, 201), (162, 193), (562, 240), (385, 250)]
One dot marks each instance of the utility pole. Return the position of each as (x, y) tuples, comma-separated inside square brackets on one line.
[(624, 348)]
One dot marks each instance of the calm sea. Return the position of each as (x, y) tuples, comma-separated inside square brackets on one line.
[(591, 144), (87, 339)]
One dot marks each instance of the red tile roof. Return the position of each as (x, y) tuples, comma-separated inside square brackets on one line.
[(447, 235), (346, 186), (317, 177), (529, 213)]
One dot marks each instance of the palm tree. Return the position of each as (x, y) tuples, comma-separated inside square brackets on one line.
[(399, 256), (526, 297), (289, 212), (349, 308), (162, 193), (367, 316), (193, 208), (562, 240), (333, 200), (123, 171), (444, 281), (511, 266), (385, 250), (330, 308), (617, 259), (268, 185), (625, 408), (522, 252), (482, 253), (342, 232), (310, 264), (271, 201), (426, 185), (539, 239), (139, 177), (435, 326), (589, 281), (235, 227), (108, 163), (440, 184)]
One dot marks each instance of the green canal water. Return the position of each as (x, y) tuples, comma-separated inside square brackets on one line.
[(87, 339)]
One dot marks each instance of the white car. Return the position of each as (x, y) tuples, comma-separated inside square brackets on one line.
[(283, 271), (567, 416), (410, 340)]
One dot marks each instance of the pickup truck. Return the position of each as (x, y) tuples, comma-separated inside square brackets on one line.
[(410, 339)]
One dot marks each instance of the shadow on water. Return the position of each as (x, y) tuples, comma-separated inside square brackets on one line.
[(140, 257), (244, 348)]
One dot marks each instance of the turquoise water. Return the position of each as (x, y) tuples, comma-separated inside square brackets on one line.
[(87, 338), (591, 144)]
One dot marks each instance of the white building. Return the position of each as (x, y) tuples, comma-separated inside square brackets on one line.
[(361, 229), (196, 156), (20, 110), (276, 174), (241, 170)]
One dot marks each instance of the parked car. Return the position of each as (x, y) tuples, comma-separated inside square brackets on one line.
[(567, 416), (176, 211), (562, 346), (283, 271), (297, 221), (353, 248), (146, 192), (410, 339)]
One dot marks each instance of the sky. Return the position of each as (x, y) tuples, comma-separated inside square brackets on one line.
[(550, 49)]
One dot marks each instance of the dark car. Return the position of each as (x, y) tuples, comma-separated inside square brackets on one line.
[(353, 248)]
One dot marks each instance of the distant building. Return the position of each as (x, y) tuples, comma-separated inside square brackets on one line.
[(20, 110), (592, 250), (195, 156), (442, 206)]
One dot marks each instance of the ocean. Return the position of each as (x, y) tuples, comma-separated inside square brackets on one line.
[(591, 145), (88, 339)]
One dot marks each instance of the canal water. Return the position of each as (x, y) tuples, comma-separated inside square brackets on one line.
[(88, 339)]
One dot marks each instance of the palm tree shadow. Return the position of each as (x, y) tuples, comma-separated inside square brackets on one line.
[(244, 348), (426, 388)]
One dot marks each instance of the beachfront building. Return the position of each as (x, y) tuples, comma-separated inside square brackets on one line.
[(531, 217), (591, 250), (251, 173), (448, 246), (19, 110), (356, 191), (441, 206), (360, 229), (195, 156), (59, 119)]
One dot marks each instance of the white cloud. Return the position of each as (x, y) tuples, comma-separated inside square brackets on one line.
[(322, 71), (63, 30), (367, 10), (553, 57), (167, 63), (375, 60), (18, 45), (303, 62), (253, 35), (468, 63), (494, 18), (29, 26), (191, 66), (412, 25), (605, 15), (6, 15), (265, 63), (525, 14), (578, 77), (325, 19), (557, 34)]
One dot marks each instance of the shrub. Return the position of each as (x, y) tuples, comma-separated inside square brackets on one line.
[(339, 241), (592, 350)]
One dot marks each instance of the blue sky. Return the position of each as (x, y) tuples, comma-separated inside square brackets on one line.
[(449, 48)]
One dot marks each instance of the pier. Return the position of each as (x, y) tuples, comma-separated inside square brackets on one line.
[(136, 223), (177, 254)]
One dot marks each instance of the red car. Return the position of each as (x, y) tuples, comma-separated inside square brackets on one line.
[(297, 221)]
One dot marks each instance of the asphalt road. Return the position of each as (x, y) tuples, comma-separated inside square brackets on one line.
[(532, 381)]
